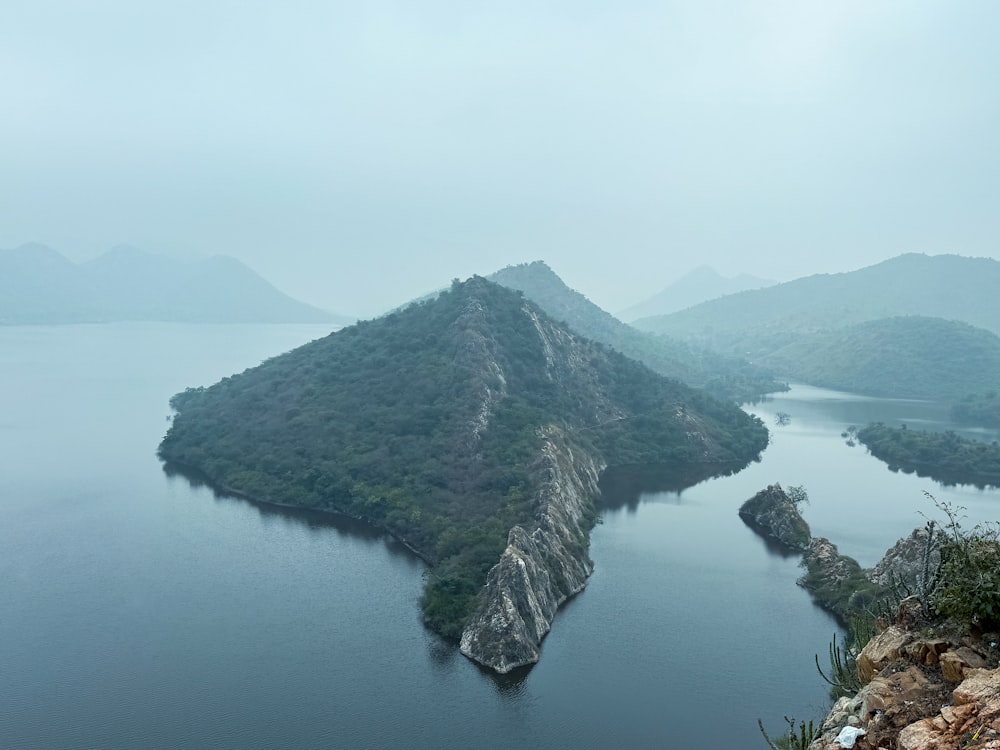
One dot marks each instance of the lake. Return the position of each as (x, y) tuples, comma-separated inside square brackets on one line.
[(141, 611)]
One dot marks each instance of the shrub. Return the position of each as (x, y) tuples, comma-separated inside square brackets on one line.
[(967, 586)]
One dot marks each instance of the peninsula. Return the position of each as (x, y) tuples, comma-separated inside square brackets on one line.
[(473, 428)]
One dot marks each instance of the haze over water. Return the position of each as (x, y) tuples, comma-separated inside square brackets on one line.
[(143, 612)]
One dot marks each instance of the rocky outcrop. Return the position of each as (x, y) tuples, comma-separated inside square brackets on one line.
[(541, 567), (910, 563), (775, 516), (926, 688), (837, 582)]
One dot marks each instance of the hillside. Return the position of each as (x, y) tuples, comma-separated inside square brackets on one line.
[(905, 357), (724, 377), (943, 456), (700, 285), (471, 426), (760, 321), (40, 286)]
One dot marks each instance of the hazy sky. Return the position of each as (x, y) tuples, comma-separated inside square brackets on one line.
[(359, 154)]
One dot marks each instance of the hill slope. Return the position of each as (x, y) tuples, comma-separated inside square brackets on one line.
[(700, 285), (472, 427), (38, 285), (751, 322), (724, 377), (905, 357)]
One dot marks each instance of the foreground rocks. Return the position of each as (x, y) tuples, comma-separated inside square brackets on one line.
[(927, 687), (541, 567)]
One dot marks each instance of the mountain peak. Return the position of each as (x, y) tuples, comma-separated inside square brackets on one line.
[(697, 286)]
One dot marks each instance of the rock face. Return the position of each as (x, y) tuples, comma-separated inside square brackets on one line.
[(775, 516), (541, 567), (926, 689), (910, 562)]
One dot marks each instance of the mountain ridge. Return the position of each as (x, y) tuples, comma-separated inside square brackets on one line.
[(702, 284), (38, 285), (952, 287)]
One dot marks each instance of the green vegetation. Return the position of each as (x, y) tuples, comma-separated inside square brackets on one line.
[(967, 586), (910, 357), (426, 423), (791, 739), (761, 321), (724, 377), (943, 456), (847, 593), (980, 409)]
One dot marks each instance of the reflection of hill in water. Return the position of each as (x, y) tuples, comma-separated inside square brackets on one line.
[(314, 520), (622, 486)]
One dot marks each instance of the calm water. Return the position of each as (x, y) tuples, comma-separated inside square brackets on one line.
[(139, 611)]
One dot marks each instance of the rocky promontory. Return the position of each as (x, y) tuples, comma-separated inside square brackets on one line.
[(775, 516), (541, 567)]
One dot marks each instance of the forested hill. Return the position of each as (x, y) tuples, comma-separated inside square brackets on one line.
[(904, 357), (40, 286), (730, 378), (427, 423), (944, 286)]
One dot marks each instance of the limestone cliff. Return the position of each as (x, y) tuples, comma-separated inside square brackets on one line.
[(541, 566), (775, 516)]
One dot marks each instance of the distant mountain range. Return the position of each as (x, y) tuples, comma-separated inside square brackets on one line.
[(942, 286), (914, 326), (700, 285), (40, 286)]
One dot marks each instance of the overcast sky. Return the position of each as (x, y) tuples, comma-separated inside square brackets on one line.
[(358, 154)]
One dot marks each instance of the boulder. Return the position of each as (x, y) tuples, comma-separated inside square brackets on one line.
[(955, 664), (885, 647)]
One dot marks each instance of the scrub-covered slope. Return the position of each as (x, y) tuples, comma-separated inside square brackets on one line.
[(467, 426)]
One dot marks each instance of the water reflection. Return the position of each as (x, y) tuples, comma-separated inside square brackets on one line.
[(312, 519), (626, 486), (814, 405)]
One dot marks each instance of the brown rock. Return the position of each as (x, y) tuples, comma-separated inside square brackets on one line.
[(927, 652), (957, 714), (922, 735), (979, 686), (886, 647), (955, 663)]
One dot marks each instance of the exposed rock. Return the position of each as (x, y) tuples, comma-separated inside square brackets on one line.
[(909, 704), (957, 664), (910, 563), (884, 648), (540, 568), (775, 516), (927, 652)]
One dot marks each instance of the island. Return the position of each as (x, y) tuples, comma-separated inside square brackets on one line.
[(473, 428)]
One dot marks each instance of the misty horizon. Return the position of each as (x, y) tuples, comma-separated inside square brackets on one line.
[(356, 156)]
